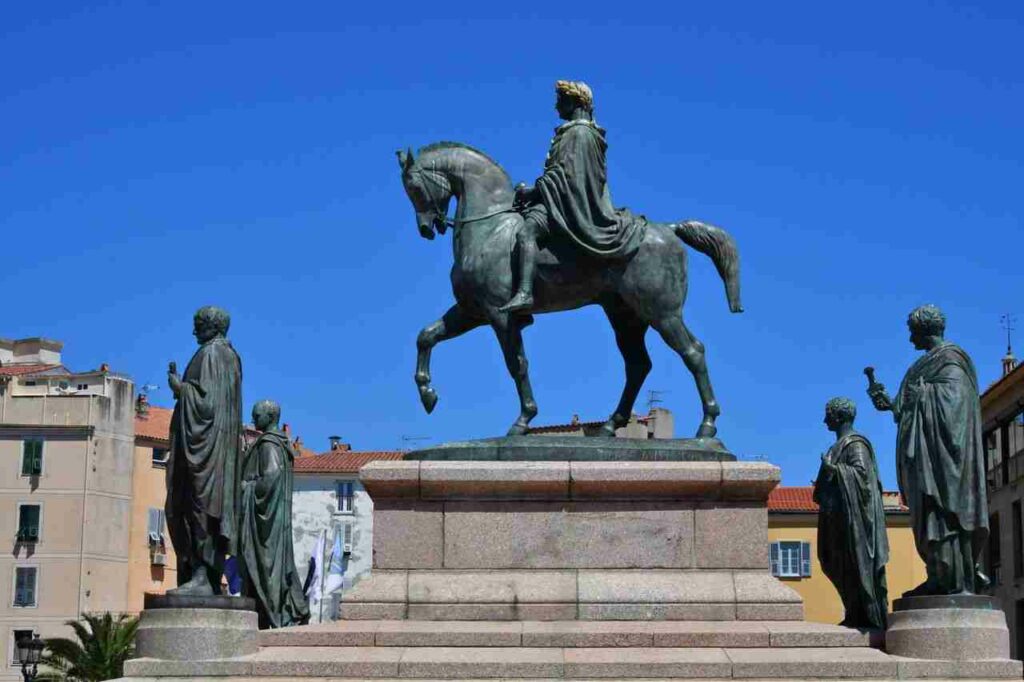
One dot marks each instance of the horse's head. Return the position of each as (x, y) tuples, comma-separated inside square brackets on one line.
[(429, 192)]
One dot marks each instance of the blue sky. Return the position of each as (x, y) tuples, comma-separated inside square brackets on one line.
[(161, 156)]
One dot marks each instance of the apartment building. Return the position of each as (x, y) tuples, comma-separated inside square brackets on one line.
[(65, 492)]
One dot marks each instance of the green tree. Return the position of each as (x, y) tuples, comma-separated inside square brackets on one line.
[(105, 642)]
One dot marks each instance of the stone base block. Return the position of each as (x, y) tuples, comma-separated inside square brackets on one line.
[(948, 634), (183, 634), (572, 595)]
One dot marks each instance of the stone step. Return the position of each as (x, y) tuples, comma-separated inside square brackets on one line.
[(569, 634), (435, 663)]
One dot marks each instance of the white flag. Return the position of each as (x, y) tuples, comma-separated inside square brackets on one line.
[(318, 567), (336, 567)]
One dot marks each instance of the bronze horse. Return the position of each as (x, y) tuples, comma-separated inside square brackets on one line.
[(648, 290)]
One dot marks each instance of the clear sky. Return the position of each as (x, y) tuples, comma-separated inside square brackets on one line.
[(158, 156)]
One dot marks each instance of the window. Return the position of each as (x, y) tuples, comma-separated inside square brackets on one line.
[(156, 526), (1018, 542), (25, 578), (344, 491), (83, 387), (160, 456), (28, 523), (790, 559), (995, 558), (32, 457), (16, 636), (30, 382)]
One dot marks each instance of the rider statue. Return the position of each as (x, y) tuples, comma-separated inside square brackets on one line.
[(571, 198)]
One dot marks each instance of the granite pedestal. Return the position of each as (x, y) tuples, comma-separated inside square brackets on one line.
[(185, 628), (951, 628), (681, 534)]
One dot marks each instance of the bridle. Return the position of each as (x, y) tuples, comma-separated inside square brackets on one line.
[(439, 211)]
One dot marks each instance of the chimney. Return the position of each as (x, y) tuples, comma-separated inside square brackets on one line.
[(287, 430), (575, 420), (104, 367), (142, 405), (338, 446)]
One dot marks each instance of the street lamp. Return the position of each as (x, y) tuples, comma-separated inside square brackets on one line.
[(30, 649)]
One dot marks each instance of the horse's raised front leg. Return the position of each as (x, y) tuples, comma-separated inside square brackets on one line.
[(509, 330), (679, 338), (453, 323), (629, 336)]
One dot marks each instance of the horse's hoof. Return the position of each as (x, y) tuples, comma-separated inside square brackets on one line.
[(607, 430), (518, 430), (707, 431), (429, 398)]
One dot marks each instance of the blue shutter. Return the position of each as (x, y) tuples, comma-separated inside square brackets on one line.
[(805, 559), (773, 558)]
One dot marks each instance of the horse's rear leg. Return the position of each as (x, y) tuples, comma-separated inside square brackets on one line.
[(453, 323), (629, 336), (509, 330), (679, 338)]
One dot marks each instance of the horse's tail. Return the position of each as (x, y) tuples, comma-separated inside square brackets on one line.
[(718, 245)]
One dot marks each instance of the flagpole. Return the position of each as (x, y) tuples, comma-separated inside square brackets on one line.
[(322, 579)]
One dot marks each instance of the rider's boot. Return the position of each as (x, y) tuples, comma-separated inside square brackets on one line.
[(523, 299)]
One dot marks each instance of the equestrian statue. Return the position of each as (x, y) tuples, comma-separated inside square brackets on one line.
[(560, 245)]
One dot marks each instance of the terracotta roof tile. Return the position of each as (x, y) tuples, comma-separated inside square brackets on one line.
[(154, 425), (343, 462), (801, 499), (21, 370)]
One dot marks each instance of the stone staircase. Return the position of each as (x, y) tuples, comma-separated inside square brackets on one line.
[(553, 650)]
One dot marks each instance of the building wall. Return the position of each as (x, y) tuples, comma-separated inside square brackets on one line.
[(84, 493), (822, 604), (315, 509), (149, 490)]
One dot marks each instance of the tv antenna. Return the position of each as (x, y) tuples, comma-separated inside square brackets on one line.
[(654, 397), (146, 389)]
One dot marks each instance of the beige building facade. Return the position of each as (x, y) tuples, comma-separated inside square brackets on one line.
[(66, 461), (1002, 416)]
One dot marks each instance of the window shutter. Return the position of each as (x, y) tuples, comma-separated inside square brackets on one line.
[(28, 522), (805, 559), (32, 457), (348, 533), (773, 558)]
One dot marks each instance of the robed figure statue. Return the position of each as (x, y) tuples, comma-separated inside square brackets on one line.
[(852, 545), (265, 536), (939, 457), (202, 471)]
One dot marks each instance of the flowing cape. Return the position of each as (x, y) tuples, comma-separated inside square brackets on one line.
[(205, 437), (574, 190), (852, 544), (940, 461), (266, 532)]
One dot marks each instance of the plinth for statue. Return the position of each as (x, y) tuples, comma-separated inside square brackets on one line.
[(193, 628), (678, 533), (951, 628)]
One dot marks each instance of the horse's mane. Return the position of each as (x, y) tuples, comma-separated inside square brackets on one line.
[(447, 144)]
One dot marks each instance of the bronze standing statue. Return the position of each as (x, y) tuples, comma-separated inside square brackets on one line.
[(852, 545), (939, 457), (266, 556), (202, 469), (573, 249)]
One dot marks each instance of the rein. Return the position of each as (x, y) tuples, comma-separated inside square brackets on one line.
[(461, 221)]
